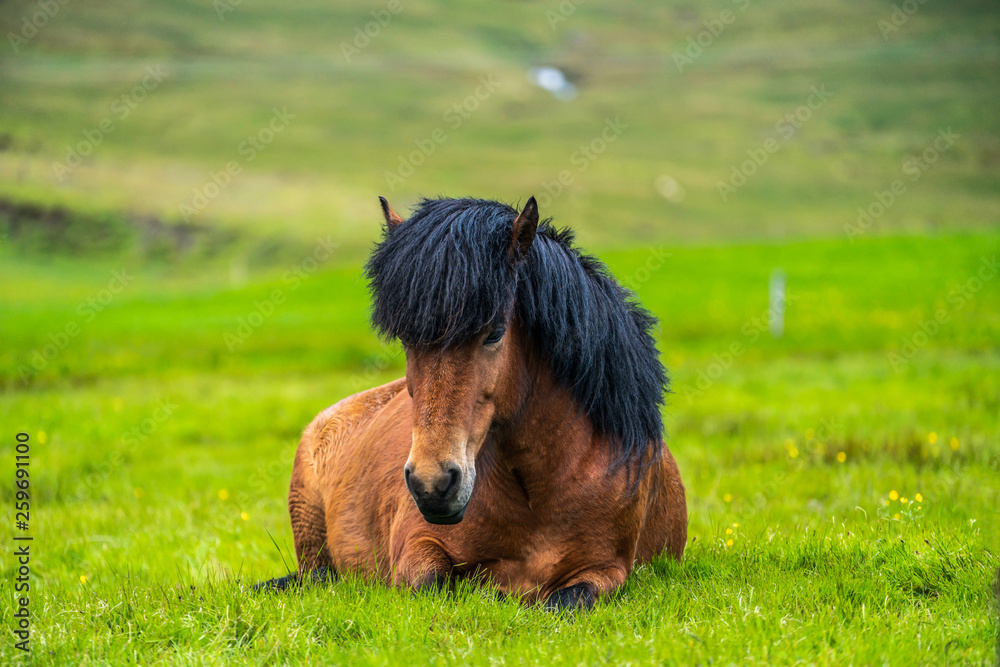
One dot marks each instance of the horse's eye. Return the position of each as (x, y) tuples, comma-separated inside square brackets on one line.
[(494, 336)]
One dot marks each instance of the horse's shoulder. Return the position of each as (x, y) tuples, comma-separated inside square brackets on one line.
[(344, 418)]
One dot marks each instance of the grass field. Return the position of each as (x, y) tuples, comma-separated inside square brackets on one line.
[(161, 461), (842, 479)]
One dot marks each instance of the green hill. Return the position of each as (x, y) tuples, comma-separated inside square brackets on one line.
[(686, 122)]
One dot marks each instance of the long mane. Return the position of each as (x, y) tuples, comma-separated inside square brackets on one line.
[(443, 277)]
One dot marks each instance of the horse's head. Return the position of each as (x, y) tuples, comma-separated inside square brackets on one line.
[(460, 384), (457, 394)]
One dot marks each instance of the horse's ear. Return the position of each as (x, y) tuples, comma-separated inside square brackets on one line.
[(523, 231), (391, 217)]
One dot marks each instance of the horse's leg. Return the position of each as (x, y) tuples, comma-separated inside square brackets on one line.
[(423, 565), (305, 506)]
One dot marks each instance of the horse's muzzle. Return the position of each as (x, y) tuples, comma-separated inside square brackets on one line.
[(440, 499)]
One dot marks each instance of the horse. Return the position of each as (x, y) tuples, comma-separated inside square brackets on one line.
[(524, 447)]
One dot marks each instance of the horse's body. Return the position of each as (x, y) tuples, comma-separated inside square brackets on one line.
[(509, 476)]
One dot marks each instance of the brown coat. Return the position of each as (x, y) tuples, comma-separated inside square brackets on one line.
[(541, 518)]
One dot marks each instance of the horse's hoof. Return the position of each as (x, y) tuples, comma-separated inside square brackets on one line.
[(320, 575), (278, 584), (571, 599), (323, 575)]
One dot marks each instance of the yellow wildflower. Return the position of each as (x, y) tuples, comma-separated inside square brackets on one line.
[(954, 444), (223, 494), (727, 498), (919, 498), (729, 531), (893, 495), (244, 516), (896, 516), (729, 543), (932, 437), (842, 456), (83, 578)]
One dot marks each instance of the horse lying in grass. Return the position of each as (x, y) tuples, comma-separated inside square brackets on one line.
[(524, 445)]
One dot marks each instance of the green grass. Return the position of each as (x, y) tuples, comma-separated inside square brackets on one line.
[(163, 433), (818, 566)]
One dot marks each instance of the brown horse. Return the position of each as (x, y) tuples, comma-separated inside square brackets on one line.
[(524, 445)]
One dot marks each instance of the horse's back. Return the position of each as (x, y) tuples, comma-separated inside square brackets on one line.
[(333, 429), (326, 454)]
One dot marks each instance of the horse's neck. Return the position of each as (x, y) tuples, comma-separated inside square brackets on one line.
[(553, 439)]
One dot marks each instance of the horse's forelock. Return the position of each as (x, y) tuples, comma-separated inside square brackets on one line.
[(444, 275)]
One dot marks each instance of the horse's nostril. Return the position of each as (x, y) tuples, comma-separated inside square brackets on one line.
[(451, 481), (407, 475)]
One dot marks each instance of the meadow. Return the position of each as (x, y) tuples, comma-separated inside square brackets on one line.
[(841, 479)]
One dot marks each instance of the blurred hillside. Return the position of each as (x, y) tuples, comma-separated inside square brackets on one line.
[(277, 121)]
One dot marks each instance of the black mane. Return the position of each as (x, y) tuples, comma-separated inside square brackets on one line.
[(443, 277)]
